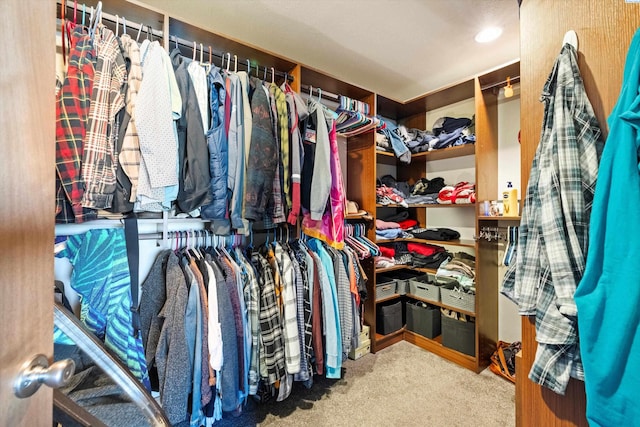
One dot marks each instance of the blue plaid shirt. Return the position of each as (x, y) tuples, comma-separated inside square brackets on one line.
[(553, 237)]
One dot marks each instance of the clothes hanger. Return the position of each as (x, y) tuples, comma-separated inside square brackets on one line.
[(194, 50), (84, 13), (210, 63), (235, 63), (273, 76), (228, 61), (117, 25), (201, 54), (248, 67), (139, 31), (124, 25)]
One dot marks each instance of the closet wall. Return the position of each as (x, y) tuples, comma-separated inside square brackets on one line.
[(605, 29)]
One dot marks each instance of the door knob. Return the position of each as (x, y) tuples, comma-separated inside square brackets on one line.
[(37, 371)]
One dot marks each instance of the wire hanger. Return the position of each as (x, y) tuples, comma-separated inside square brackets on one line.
[(139, 31)]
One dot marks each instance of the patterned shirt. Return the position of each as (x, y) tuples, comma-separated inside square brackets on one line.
[(72, 111), (129, 156), (290, 309), (554, 226), (272, 347), (107, 99)]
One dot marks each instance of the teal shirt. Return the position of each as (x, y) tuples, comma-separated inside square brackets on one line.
[(608, 296)]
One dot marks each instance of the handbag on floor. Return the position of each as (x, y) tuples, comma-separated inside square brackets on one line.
[(503, 360)]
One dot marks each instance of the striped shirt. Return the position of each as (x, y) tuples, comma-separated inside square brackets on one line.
[(129, 156)]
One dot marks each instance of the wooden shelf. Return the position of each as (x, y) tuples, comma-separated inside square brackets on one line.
[(439, 304), (428, 205), (467, 243), (405, 267), (367, 217), (498, 218), (443, 153), (383, 341), (435, 346), (389, 298)]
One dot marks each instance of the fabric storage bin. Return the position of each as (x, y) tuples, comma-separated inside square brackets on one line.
[(423, 319), (389, 318), (425, 287), (457, 299), (385, 287), (402, 279), (459, 335)]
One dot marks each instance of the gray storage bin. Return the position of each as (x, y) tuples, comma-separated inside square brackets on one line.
[(457, 299), (389, 318), (385, 288), (425, 287), (423, 319), (459, 335)]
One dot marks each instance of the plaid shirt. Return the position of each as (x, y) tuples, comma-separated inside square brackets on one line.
[(107, 99), (271, 345), (72, 109), (129, 156), (290, 310), (554, 227), (251, 298)]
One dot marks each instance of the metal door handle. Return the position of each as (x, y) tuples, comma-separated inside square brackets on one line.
[(37, 371)]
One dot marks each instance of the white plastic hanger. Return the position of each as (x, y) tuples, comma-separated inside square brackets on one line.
[(572, 38)]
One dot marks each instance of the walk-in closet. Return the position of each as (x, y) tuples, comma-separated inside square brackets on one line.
[(222, 213)]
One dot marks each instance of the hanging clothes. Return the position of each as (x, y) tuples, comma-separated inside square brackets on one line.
[(217, 210), (325, 217), (101, 277), (158, 104), (263, 158), (72, 111), (607, 296), (194, 178), (554, 226), (107, 99)]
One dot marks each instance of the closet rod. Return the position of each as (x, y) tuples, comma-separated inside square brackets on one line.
[(318, 91), (514, 79), (173, 39), (112, 18)]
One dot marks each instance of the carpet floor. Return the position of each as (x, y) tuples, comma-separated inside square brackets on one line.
[(402, 385)]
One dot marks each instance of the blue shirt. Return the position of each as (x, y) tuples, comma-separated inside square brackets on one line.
[(608, 295), (333, 335)]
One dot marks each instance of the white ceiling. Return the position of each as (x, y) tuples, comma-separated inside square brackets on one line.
[(400, 49)]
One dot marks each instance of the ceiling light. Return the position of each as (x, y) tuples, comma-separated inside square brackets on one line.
[(488, 34)]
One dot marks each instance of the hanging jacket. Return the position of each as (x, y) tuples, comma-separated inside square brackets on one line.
[(263, 159), (330, 228), (217, 211), (193, 190)]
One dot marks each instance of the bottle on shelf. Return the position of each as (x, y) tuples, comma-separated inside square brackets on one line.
[(510, 201)]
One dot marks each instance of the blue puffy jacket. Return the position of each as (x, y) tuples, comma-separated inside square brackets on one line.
[(218, 210)]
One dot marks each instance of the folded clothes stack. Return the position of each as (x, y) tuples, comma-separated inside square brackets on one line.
[(452, 132), (462, 193), (462, 268), (412, 254)]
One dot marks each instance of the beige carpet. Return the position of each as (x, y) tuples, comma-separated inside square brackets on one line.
[(401, 385)]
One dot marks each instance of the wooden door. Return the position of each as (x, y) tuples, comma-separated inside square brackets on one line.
[(605, 29), (27, 181)]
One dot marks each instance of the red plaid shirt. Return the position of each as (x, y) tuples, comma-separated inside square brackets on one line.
[(72, 109)]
